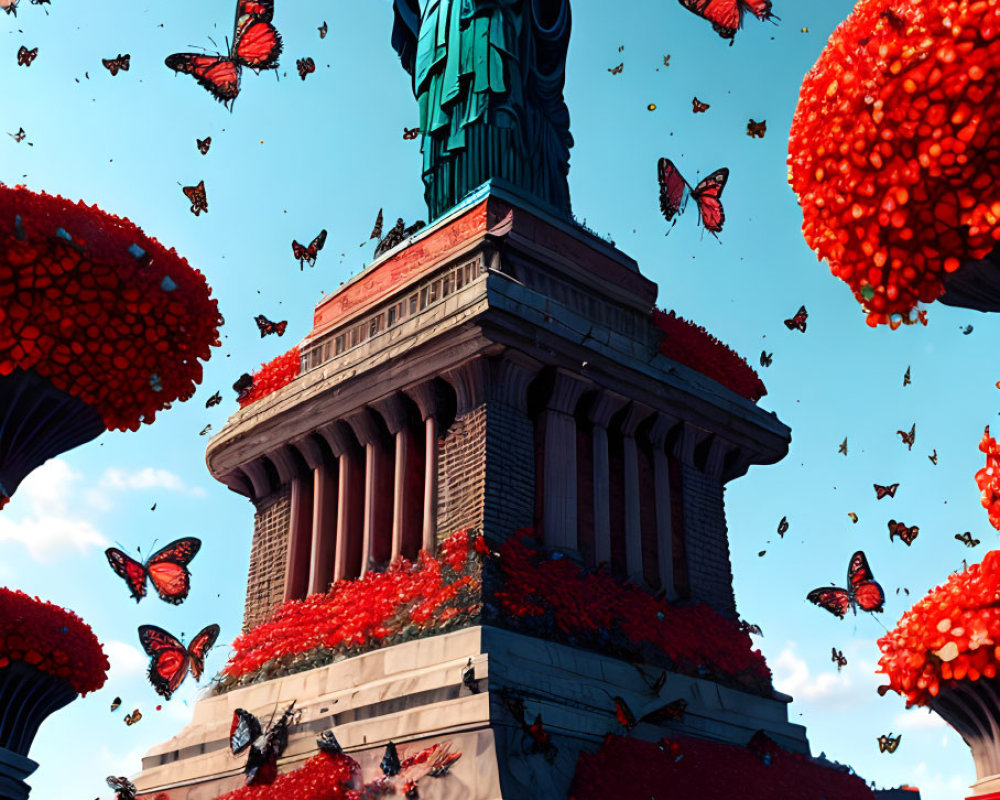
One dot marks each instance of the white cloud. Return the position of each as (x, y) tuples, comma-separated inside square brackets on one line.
[(41, 516), (126, 661), (918, 719), (935, 786), (146, 478), (793, 676)]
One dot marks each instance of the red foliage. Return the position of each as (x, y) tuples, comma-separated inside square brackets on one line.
[(593, 609), (123, 334), (630, 769), (695, 347), (356, 615), (988, 478), (272, 376), (952, 634), (548, 597), (893, 150), (53, 640), (322, 777)]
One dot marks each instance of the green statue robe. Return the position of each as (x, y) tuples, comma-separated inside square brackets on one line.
[(488, 77)]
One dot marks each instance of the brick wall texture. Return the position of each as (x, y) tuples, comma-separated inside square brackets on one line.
[(510, 471), (268, 557), (707, 542), (461, 473)]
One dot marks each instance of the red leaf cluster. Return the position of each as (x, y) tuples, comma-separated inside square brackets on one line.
[(52, 639), (893, 150), (988, 478), (322, 777), (273, 375), (408, 599), (631, 769), (952, 634), (123, 331), (591, 608), (693, 346)]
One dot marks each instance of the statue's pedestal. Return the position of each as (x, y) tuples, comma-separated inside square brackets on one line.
[(14, 769), (412, 694)]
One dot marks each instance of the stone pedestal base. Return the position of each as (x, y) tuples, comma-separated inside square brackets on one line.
[(14, 769), (413, 695)]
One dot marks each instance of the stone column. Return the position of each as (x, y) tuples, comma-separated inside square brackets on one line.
[(324, 525), (636, 413), (14, 769), (559, 460), (604, 407), (339, 439), (366, 429), (425, 395), (664, 526), (394, 413), (299, 524)]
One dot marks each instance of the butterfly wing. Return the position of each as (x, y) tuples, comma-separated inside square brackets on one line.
[(299, 251), (866, 591), (798, 321), (218, 74), (130, 570), (759, 8), (319, 241), (673, 189), (723, 14), (167, 569), (111, 65), (259, 9), (169, 659), (832, 598), (244, 731), (707, 194), (199, 647), (892, 744), (624, 714)]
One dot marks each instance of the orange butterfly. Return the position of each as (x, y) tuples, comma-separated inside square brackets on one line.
[(756, 129), (906, 534), (196, 194), (909, 438)]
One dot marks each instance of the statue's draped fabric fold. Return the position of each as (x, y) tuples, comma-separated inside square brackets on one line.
[(488, 76)]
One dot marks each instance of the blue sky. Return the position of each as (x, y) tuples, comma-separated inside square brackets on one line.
[(295, 157)]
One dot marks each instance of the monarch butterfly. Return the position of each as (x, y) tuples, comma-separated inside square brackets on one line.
[(862, 590)]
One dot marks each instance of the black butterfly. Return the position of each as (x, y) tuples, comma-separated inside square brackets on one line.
[(909, 438), (196, 194), (766, 358), (390, 763), (266, 746), (243, 385), (746, 627), (469, 677), (906, 377), (214, 400), (204, 144), (116, 703), (328, 743), (11, 8), (842, 448), (798, 321), (304, 254), (966, 539), (124, 788), (906, 534), (19, 136), (305, 66), (26, 56), (410, 133), (699, 107), (617, 70), (757, 129), (782, 527), (112, 65), (322, 30), (377, 230), (266, 326), (838, 658), (882, 491)]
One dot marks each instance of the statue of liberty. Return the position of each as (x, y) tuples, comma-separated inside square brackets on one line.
[(488, 77)]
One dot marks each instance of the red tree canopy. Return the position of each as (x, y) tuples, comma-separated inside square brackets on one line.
[(99, 309), (893, 150)]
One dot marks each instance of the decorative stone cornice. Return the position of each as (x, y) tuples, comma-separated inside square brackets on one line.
[(427, 397), (513, 371), (604, 406), (365, 426), (393, 411), (284, 461), (259, 479), (338, 435), (567, 389), (470, 381), (238, 482), (690, 437), (661, 428), (311, 451), (715, 460), (636, 414)]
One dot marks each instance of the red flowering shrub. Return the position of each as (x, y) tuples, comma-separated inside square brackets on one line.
[(99, 309), (272, 376), (631, 769), (322, 777), (53, 640), (988, 478), (893, 151), (544, 596), (950, 635), (556, 598), (693, 346), (382, 608)]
